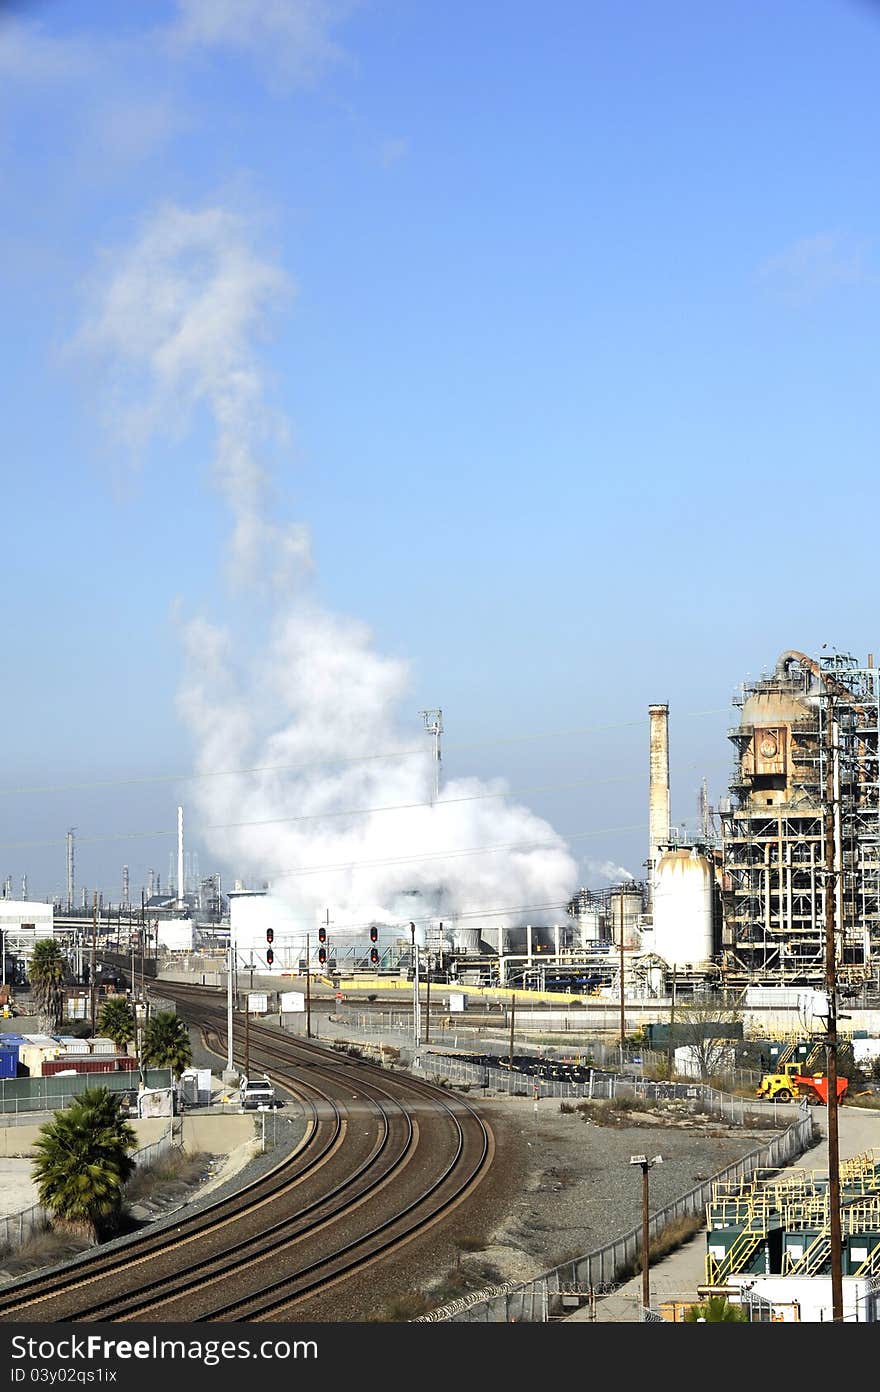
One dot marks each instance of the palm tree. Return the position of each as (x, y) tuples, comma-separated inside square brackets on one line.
[(116, 1021), (82, 1164), (166, 1043), (46, 972)]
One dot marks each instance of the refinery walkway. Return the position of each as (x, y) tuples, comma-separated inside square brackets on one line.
[(677, 1276)]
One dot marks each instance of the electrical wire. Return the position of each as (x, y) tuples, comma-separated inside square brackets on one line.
[(85, 839), (22, 790)]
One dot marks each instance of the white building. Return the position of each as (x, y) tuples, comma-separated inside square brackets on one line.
[(28, 919), (807, 1299)]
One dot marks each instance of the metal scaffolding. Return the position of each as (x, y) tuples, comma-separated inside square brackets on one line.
[(773, 828)]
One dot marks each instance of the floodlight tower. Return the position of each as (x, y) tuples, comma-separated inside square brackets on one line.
[(434, 725)]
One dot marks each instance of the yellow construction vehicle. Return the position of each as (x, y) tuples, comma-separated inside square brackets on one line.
[(792, 1082)]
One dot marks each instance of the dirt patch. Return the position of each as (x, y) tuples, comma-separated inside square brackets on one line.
[(153, 1192), (565, 1177)]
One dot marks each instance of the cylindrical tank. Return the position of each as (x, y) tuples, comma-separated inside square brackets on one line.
[(683, 888), (631, 902), (589, 927)]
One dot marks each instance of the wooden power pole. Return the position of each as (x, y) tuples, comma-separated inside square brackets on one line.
[(832, 871)]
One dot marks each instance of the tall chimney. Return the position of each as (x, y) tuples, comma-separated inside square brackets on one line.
[(180, 899), (658, 792)]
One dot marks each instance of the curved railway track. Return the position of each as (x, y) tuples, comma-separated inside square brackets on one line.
[(384, 1158)]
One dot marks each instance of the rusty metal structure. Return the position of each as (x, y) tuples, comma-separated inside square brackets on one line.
[(773, 846)]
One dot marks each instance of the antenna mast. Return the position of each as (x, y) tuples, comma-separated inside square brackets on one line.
[(434, 725)]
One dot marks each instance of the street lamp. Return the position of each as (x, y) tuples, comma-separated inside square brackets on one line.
[(646, 1165)]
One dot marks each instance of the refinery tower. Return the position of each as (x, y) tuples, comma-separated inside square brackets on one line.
[(805, 807)]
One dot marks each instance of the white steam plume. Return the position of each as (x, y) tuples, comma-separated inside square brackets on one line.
[(181, 309), (609, 870)]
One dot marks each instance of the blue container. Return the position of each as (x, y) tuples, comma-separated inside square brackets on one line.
[(8, 1062)]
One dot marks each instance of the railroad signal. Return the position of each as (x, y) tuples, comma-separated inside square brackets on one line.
[(322, 934), (270, 935), (374, 955), (322, 955), (374, 934), (270, 956)]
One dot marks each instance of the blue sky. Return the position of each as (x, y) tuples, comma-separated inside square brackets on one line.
[(560, 347)]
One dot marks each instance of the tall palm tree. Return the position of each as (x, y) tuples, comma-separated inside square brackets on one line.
[(46, 972), (116, 1021), (166, 1043), (82, 1164)]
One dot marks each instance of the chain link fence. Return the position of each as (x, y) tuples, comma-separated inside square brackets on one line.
[(16, 1228), (598, 1087)]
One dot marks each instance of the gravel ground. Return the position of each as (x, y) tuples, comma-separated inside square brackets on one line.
[(559, 1187)]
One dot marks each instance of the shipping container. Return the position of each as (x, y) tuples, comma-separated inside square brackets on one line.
[(34, 1056), (8, 1063), (102, 1046), (74, 1046), (104, 1063)]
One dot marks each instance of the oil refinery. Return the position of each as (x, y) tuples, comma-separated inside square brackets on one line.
[(742, 902)]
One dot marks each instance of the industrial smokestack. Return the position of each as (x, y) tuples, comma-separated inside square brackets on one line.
[(180, 899), (658, 793)]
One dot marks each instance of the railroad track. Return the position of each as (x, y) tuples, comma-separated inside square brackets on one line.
[(384, 1158)]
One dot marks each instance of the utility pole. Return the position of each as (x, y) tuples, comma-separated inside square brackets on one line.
[(646, 1165), (427, 996), (247, 1035), (144, 968), (137, 1049), (512, 1023), (308, 992), (670, 1051), (94, 956), (832, 872), (416, 1013), (229, 1061), (434, 725)]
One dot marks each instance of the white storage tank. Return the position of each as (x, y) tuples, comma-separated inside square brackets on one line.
[(631, 902), (683, 890), (589, 927)]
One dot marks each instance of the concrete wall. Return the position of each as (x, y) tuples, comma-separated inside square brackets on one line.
[(217, 1135), (19, 1140)]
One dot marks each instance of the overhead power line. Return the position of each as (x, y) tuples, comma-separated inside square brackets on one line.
[(94, 839), (420, 750)]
